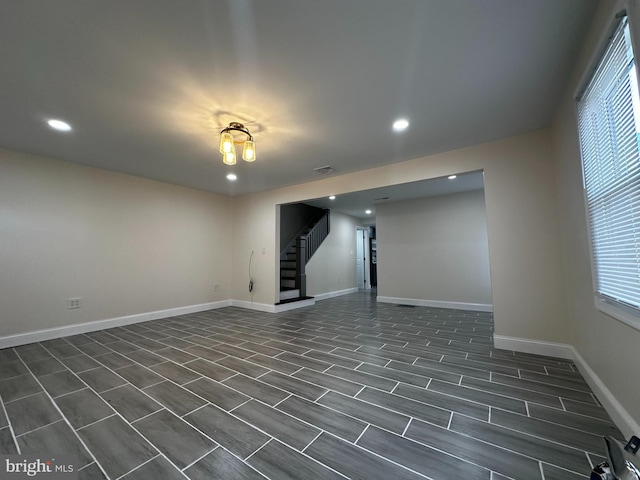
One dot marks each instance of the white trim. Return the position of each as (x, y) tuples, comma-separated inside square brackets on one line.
[(337, 293), (265, 307), (617, 312), (616, 411), (478, 307), (260, 307), (285, 307), (624, 421), (75, 329), (537, 347)]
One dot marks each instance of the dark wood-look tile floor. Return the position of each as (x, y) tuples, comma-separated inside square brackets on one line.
[(347, 388)]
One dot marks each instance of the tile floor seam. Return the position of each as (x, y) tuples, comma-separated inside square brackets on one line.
[(541, 470), (313, 440), (131, 422), (138, 467), (541, 383), (409, 423), (547, 439), (246, 459), (558, 424), (12, 377), (69, 393), (64, 418), (190, 381), (38, 428), (200, 458), (126, 422), (165, 379), (422, 475), (22, 398), (87, 466), (460, 458), (313, 460), (471, 387), (243, 322), (589, 460), (275, 405), (435, 369), (238, 406), (97, 421)]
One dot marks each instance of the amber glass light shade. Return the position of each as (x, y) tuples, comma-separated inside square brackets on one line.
[(249, 151)]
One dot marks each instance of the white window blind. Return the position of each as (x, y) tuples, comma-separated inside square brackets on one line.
[(609, 131)]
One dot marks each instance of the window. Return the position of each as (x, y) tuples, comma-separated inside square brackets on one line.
[(609, 131)]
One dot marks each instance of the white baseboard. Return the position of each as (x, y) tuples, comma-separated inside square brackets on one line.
[(285, 307), (86, 327), (624, 421), (265, 307), (478, 307), (260, 307), (616, 411), (537, 347), (337, 293), (75, 329)]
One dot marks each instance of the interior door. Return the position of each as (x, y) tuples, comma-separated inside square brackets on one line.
[(360, 260)]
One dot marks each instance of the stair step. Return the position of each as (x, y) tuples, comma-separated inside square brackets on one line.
[(289, 294), (287, 264), (287, 283), (286, 273)]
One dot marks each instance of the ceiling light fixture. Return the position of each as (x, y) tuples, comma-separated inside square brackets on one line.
[(332, 197), (400, 125), (232, 177), (228, 144), (452, 177), (368, 212), (59, 125)]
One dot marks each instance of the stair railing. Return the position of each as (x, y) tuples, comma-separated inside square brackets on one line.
[(307, 226), (307, 246)]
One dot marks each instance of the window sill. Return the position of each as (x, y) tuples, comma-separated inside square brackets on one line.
[(618, 313)]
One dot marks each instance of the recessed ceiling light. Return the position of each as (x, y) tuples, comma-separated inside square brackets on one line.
[(59, 125), (332, 197), (400, 124), (368, 212), (452, 177), (232, 177)]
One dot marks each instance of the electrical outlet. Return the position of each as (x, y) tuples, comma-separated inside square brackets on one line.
[(216, 288), (74, 303)]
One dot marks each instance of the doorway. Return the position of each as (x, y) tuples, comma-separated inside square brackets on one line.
[(362, 259)]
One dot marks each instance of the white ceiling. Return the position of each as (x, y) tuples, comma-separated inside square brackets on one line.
[(356, 203), (147, 84)]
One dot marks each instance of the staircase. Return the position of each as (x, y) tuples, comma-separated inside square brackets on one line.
[(294, 257), (288, 288)]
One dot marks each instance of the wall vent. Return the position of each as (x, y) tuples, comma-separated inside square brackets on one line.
[(326, 170)]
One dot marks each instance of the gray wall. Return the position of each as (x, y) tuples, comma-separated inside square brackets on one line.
[(434, 249), (607, 344), (520, 196), (124, 244), (333, 267)]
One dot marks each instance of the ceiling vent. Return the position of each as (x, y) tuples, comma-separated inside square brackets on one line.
[(380, 199), (326, 170)]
